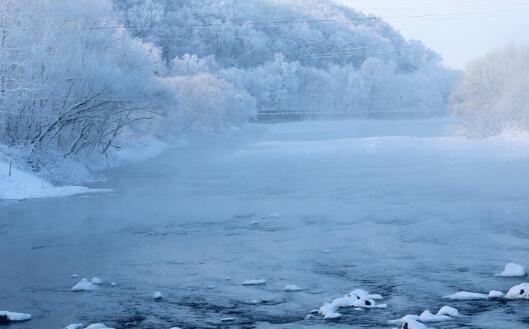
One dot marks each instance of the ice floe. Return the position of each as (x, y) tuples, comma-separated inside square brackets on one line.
[(292, 288), (446, 313), (466, 295), (450, 311), (6, 316), (84, 285), (359, 299), (157, 296), (254, 282), (272, 215), (97, 281), (512, 270), (74, 326), (413, 324), (520, 291), (98, 326), (495, 294)]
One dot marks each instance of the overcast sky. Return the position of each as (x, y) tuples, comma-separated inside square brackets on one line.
[(479, 26)]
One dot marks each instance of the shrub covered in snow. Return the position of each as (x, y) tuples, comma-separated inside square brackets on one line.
[(493, 96)]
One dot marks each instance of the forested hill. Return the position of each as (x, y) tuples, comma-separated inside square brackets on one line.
[(291, 55), (249, 33)]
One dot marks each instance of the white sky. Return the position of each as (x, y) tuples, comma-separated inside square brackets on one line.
[(458, 38)]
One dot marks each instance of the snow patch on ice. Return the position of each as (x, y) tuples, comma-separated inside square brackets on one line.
[(446, 313), (512, 270)]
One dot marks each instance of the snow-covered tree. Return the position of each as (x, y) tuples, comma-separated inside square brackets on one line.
[(493, 95)]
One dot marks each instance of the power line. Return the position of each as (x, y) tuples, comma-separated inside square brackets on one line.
[(295, 22)]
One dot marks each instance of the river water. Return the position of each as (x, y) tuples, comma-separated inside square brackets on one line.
[(398, 208)]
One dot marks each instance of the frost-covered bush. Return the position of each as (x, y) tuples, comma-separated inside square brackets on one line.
[(206, 104), (67, 86), (494, 94)]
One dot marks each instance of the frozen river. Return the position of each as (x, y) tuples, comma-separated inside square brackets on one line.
[(398, 208)]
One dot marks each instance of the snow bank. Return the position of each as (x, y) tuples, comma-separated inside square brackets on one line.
[(357, 298), (512, 270), (6, 316), (22, 185)]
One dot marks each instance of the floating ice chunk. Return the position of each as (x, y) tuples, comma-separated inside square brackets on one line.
[(113, 284), (364, 294), (428, 316), (495, 294), (6, 316), (97, 281), (74, 326), (176, 328), (98, 326), (84, 285), (228, 319), (359, 299), (157, 295), (512, 270), (292, 287), (272, 215), (450, 311), (254, 282), (329, 311), (404, 319), (465, 295), (413, 324), (75, 276), (520, 291)]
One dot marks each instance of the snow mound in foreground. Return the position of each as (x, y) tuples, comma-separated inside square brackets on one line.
[(22, 185), (6, 316), (512, 270), (357, 298), (520, 291)]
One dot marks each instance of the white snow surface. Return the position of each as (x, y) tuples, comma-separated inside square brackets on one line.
[(15, 317), (448, 310), (512, 270), (23, 185)]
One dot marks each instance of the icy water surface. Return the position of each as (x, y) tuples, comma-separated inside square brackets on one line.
[(390, 207)]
